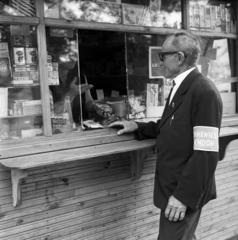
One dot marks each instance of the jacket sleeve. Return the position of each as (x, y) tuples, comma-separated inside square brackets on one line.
[(147, 130), (200, 168)]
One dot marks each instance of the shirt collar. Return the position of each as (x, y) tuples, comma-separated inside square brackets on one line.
[(178, 80)]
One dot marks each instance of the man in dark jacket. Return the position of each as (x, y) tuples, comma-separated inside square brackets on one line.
[(186, 138)]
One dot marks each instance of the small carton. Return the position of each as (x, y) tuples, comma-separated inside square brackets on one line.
[(213, 17), (196, 16), (202, 16), (31, 56), (228, 20), (19, 56), (208, 17), (218, 19)]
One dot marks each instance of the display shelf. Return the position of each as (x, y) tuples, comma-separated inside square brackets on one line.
[(23, 86), (21, 116), (19, 20), (130, 28)]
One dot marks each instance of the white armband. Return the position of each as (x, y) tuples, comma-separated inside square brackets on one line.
[(206, 138)]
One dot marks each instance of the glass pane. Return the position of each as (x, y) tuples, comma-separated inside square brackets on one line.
[(216, 63), (64, 79), (148, 90), (83, 10), (20, 108), (154, 13), (93, 82), (214, 16), (102, 63), (18, 8)]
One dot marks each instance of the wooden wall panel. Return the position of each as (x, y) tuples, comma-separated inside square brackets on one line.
[(96, 199)]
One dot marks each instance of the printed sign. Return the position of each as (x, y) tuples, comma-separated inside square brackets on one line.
[(155, 71), (205, 138)]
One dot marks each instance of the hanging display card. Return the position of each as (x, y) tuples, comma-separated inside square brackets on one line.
[(155, 71)]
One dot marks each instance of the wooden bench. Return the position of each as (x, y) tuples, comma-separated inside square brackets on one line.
[(20, 156)]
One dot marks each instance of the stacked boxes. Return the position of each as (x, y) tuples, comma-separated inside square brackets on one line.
[(53, 71), (25, 66), (25, 57), (215, 18)]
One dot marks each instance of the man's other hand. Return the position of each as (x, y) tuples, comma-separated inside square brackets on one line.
[(127, 126), (175, 210)]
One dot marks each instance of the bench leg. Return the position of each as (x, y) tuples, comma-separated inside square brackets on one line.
[(17, 177), (137, 162)]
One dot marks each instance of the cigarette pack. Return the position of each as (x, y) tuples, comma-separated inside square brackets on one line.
[(31, 56), (208, 17), (213, 17), (218, 19), (19, 56), (202, 16), (191, 15), (228, 20), (233, 21), (223, 18), (196, 16)]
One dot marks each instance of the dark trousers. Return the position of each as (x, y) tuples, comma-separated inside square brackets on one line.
[(180, 230)]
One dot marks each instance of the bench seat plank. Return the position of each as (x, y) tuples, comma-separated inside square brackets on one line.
[(64, 156)]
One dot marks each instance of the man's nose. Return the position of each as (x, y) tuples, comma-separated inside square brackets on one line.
[(161, 63)]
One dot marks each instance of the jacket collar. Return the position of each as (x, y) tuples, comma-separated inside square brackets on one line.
[(178, 97)]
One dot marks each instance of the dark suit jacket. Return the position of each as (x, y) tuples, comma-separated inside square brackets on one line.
[(181, 171)]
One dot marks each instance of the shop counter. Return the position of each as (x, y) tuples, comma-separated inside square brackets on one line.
[(20, 156)]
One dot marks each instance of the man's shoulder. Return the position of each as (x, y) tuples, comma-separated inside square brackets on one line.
[(204, 83)]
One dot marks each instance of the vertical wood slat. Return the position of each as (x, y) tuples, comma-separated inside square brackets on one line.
[(236, 62), (44, 84), (185, 15), (88, 202)]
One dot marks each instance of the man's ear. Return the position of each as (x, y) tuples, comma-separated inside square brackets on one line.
[(181, 57)]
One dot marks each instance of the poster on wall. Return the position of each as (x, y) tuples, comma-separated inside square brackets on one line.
[(155, 71)]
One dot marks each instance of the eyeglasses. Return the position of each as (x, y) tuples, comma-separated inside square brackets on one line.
[(162, 54)]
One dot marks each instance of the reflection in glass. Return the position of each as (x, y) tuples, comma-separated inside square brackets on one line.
[(18, 8), (65, 90), (21, 108), (214, 16), (156, 13), (147, 88), (83, 10), (215, 64)]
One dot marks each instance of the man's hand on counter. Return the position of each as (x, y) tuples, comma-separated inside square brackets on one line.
[(127, 126)]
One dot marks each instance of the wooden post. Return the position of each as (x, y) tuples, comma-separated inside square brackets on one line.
[(137, 162), (45, 94), (17, 177)]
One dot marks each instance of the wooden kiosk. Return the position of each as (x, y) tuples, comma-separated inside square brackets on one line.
[(92, 185)]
